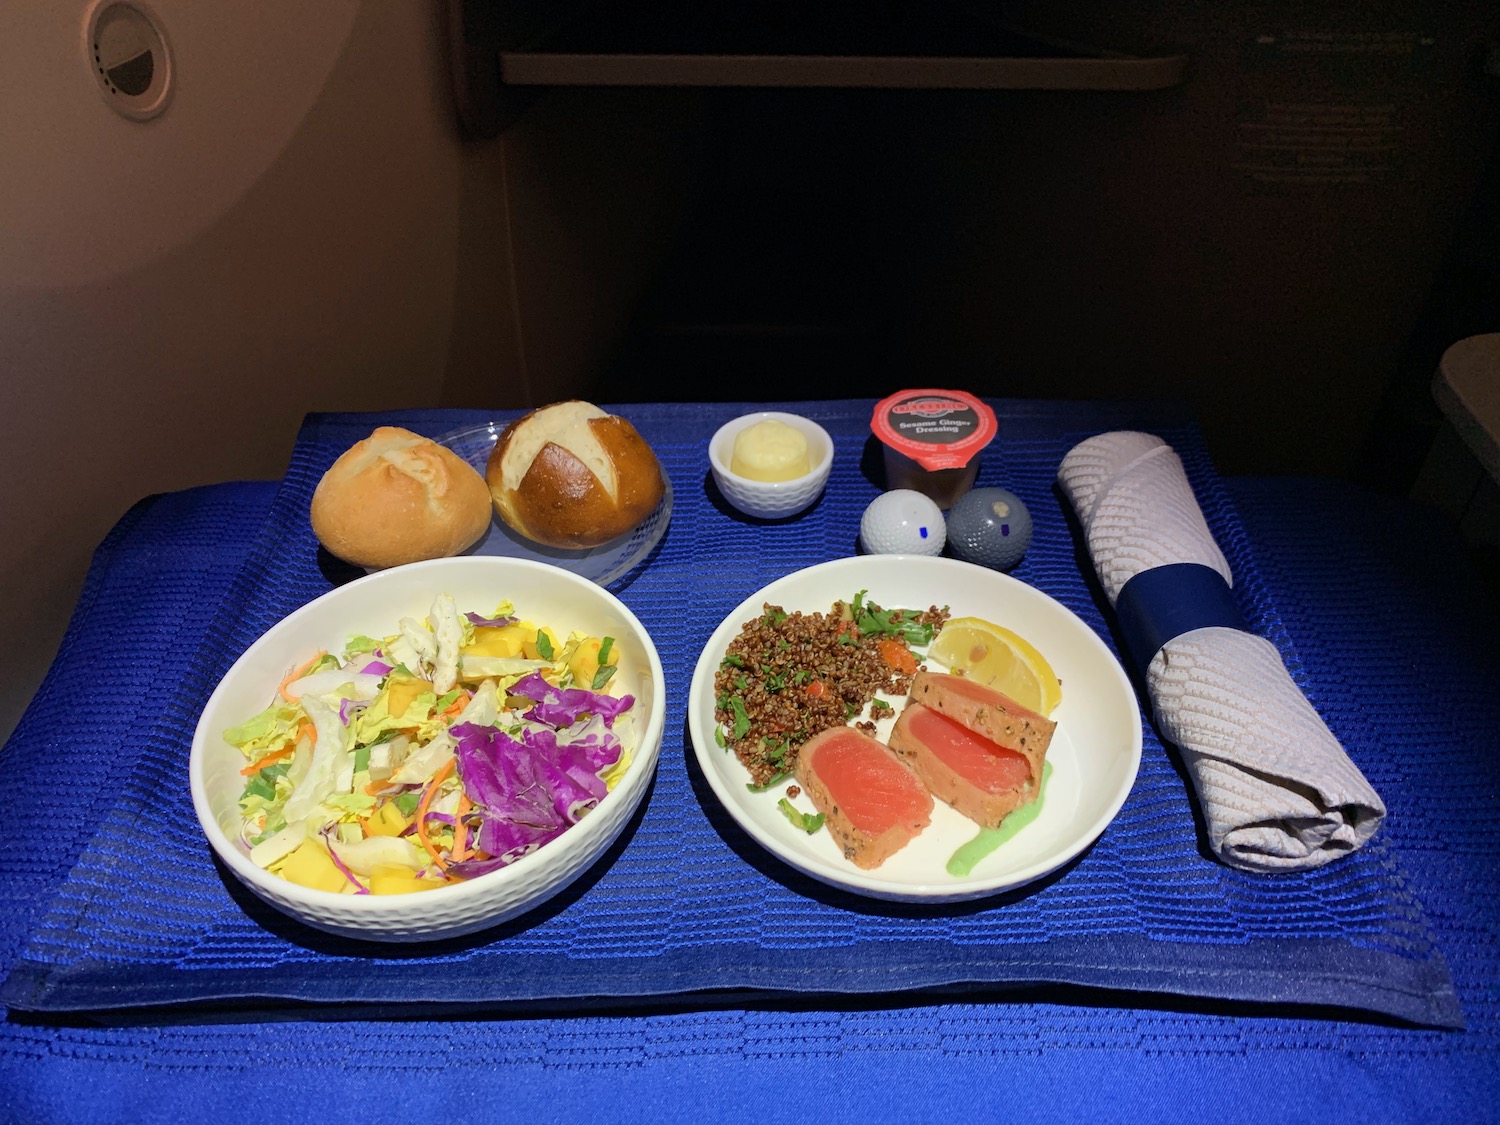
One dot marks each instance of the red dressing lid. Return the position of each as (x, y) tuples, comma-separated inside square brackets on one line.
[(936, 429)]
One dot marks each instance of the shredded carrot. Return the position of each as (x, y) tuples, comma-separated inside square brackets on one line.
[(298, 672), (427, 795), (306, 730), (274, 756), (460, 829), (457, 705), (897, 656)]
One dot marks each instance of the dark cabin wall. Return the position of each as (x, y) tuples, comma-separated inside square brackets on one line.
[(1262, 240)]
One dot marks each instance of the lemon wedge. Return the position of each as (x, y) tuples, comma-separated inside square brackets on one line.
[(993, 655)]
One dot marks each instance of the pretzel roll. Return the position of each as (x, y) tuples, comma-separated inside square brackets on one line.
[(569, 475)]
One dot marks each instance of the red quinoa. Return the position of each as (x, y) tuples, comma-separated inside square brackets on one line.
[(789, 676)]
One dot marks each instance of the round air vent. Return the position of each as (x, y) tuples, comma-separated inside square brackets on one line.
[(129, 57)]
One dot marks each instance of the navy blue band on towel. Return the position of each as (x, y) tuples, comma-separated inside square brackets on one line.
[(1167, 601)]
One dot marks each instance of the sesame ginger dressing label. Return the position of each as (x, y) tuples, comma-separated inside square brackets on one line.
[(937, 429)]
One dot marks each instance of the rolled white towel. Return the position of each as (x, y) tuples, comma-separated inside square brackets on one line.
[(1277, 790)]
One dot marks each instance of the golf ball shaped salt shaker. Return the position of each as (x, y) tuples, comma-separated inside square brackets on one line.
[(989, 526), (903, 522)]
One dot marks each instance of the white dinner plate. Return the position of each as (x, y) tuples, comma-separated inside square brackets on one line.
[(1094, 754)]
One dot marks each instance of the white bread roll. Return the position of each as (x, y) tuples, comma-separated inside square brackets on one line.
[(569, 475), (398, 497)]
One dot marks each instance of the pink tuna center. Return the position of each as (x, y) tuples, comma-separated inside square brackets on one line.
[(874, 790), (995, 769), (980, 693)]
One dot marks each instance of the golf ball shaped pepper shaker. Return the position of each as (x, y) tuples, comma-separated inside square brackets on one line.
[(903, 522), (989, 526)]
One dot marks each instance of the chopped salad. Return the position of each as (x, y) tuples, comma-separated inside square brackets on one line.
[(443, 751)]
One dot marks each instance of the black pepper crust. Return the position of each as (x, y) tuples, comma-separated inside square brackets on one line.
[(771, 669)]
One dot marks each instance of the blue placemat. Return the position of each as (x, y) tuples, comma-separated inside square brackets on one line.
[(686, 905)]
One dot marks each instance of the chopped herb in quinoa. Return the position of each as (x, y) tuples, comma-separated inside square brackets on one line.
[(789, 676)]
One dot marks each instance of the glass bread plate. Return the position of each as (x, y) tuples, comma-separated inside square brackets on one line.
[(603, 564), (1094, 754)]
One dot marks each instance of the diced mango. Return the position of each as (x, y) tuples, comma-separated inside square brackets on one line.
[(392, 879), (402, 691), (584, 663), (532, 649), (497, 640), (310, 865), (386, 820)]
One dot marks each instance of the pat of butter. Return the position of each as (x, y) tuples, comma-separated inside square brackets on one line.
[(770, 451)]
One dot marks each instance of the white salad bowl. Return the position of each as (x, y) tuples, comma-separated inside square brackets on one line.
[(771, 499), (373, 606)]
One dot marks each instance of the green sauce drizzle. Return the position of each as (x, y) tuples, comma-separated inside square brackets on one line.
[(989, 839)]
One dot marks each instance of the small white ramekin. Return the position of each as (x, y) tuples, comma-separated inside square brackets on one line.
[(771, 500)]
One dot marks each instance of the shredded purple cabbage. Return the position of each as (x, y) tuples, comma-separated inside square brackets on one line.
[(359, 888), (377, 668), (347, 708), (561, 707), (581, 759), (526, 781), (473, 868), (489, 622), (530, 789)]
